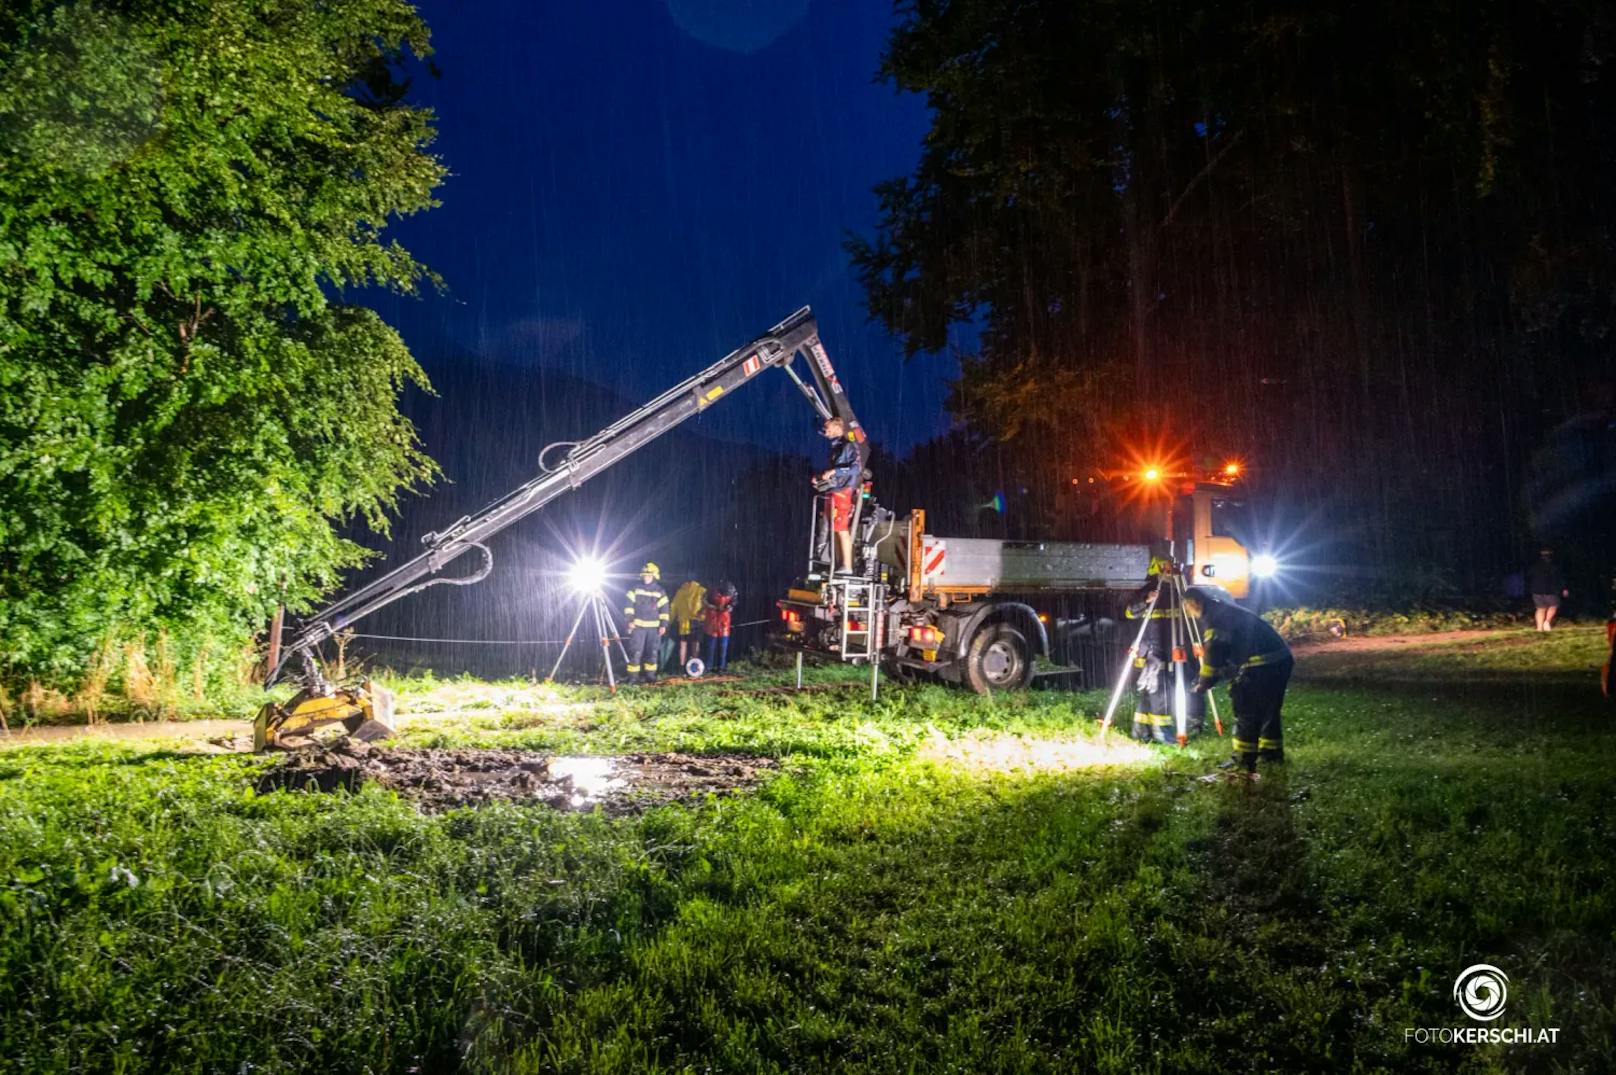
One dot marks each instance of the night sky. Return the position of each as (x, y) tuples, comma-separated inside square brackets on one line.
[(636, 187)]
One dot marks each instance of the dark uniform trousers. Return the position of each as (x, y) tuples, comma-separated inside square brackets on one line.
[(1258, 693), (646, 609)]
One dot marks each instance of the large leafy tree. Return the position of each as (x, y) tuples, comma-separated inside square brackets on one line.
[(189, 412), (1367, 244)]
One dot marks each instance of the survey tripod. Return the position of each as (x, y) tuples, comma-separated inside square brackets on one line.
[(1185, 639), (599, 614)]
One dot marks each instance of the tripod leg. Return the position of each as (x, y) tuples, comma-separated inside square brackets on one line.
[(1198, 647), (1127, 663), (565, 646), (602, 630)]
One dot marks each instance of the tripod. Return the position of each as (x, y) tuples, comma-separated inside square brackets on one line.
[(600, 616), (1182, 628)]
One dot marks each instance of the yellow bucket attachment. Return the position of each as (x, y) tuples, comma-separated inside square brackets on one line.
[(366, 712)]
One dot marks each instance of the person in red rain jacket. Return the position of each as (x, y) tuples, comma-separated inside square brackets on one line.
[(720, 605)]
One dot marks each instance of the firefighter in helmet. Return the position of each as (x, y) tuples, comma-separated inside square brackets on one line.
[(645, 608), (1242, 647), (1153, 717)]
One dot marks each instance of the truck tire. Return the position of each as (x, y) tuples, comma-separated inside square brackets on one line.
[(998, 659)]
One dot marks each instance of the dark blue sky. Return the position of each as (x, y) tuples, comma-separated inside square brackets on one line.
[(633, 193)]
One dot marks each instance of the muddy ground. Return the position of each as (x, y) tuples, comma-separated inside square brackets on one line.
[(439, 779)]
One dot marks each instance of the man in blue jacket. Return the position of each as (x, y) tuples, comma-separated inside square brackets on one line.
[(849, 450)]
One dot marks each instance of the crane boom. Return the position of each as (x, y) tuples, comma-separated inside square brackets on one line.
[(797, 334)]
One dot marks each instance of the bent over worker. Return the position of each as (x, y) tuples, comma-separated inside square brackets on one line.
[(1241, 646), (645, 607)]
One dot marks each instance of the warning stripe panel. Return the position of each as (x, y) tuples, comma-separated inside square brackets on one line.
[(751, 365)]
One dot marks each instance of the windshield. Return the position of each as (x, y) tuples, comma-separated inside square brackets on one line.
[(1230, 519)]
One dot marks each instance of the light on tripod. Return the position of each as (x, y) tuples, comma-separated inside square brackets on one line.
[(1264, 566), (587, 575)]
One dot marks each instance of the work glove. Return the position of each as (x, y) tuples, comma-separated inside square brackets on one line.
[(1149, 680)]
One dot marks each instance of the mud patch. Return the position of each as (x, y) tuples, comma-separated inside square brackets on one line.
[(439, 779)]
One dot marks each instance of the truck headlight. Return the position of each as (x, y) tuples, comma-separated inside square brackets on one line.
[(1264, 566)]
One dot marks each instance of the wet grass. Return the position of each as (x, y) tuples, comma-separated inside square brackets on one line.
[(907, 895)]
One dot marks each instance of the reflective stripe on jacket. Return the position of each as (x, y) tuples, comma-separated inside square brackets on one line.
[(1236, 638), (646, 606)]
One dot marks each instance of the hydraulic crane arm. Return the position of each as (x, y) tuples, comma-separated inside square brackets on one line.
[(583, 460)]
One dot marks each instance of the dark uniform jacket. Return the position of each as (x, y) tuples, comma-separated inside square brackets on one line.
[(646, 606), (1236, 640)]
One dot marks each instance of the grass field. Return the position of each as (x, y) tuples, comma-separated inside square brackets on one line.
[(934, 882)]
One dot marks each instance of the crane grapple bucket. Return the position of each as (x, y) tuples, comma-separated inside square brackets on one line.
[(365, 712)]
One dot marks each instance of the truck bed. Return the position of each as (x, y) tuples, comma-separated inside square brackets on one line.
[(1023, 566)]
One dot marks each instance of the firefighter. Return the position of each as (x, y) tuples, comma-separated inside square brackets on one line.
[(849, 451), (645, 608), (1241, 645), (1153, 717), (687, 613)]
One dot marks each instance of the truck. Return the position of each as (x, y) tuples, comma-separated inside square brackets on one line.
[(978, 612), (917, 603)]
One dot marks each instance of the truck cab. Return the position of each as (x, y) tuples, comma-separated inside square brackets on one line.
[(1210, 530)]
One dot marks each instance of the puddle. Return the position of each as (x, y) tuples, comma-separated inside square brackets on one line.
[(440, 779), (592, 778)]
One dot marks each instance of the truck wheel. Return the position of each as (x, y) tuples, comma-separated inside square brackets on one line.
[(998, 659)]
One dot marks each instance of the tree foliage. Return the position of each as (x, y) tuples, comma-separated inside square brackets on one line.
[(188, 410), (1369, 246)]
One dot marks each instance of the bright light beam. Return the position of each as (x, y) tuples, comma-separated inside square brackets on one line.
[(1264, 566), (587, 575)]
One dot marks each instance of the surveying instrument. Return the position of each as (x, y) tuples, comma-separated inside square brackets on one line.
[(588, 580), (1184, 639)]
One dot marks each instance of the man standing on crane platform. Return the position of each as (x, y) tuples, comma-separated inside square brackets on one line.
[(645, 607), (849, 452), (1241, 644)]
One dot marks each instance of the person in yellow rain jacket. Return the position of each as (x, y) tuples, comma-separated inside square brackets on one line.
[(645, 608), (687, 614), (1242, 646)]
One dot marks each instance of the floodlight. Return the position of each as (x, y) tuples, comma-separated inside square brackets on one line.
[(1264, 566), (587, 575)]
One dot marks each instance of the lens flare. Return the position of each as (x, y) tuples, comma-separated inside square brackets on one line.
[(587, 575), (1264, 566)]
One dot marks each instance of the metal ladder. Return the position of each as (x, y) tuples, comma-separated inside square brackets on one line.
[(861, 603)]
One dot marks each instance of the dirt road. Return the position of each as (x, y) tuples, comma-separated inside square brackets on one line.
[(1370, 643), (194, 730)]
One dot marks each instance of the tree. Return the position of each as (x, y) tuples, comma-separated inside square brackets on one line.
[(189, 411), (1366, 245)]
